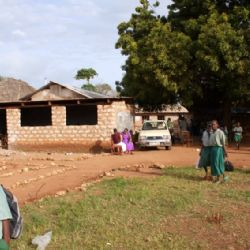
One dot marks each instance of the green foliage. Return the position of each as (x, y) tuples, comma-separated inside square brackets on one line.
[(89, 87), (198, 53), (85, 74), (143, 39)]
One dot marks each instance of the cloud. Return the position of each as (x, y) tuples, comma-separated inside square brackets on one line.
[(53, 39), (18, 33)]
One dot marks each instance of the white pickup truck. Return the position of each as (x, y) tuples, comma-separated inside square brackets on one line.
[(155, 134)]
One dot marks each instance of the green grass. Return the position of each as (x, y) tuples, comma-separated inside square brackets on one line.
[(135, 213)]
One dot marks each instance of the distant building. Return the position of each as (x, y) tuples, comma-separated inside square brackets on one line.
[(58, 117), (163, 113)]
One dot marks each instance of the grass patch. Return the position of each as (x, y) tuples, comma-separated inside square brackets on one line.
[(236, 195), (129, 213)]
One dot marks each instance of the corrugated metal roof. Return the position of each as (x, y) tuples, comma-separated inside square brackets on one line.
[(85, 93)]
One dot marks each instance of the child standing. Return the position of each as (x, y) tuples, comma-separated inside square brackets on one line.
[(237, 134)]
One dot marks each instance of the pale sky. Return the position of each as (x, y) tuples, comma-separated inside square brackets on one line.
[(54, 38)]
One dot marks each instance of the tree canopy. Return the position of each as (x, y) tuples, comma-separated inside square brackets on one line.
[(86, 74), (104, 88), (198, 54), (89, 87)]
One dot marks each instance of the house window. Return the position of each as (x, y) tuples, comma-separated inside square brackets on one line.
[(81, 115), (36, 116), (161, 117), (145, 118)]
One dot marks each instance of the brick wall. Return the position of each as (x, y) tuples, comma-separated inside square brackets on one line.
[(59, 136)]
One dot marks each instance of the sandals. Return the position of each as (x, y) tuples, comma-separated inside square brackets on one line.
[(207, 178), (225, 179)]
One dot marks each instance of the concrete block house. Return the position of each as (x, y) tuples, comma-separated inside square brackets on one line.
[(58, 117)]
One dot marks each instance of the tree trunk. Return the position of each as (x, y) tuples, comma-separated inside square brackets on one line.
[(227, 114)]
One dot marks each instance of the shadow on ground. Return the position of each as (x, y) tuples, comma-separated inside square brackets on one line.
[(186, 174)]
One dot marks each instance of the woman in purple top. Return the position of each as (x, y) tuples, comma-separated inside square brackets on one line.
[(127, 139)]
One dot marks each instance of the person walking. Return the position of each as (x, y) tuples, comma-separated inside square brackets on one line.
[(237, 130), (204, 161), (218, 153), (5, 216)]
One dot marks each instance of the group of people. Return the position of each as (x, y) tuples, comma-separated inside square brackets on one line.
[(213, 151), (122, 142)]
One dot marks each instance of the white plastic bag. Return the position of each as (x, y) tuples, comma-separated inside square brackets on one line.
[(42, 241)]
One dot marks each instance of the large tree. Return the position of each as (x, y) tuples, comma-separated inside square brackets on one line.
[(153, 59), (219, 68), (199, 54), (105, 89)]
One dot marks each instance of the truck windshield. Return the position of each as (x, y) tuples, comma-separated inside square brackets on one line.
[(154, 126)]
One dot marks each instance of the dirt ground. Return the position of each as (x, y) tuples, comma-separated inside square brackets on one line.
[(33, 175)]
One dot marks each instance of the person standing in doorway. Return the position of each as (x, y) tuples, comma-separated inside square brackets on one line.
[(171, 129), (5, 216), (218, 153), (237, 130), (183, 123)]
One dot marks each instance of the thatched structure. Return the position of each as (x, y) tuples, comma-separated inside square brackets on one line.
[(12, 90)]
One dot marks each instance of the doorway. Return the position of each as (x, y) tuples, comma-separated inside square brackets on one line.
[(3, 129)]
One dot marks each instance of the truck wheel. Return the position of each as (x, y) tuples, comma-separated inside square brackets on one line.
[(168, 148)]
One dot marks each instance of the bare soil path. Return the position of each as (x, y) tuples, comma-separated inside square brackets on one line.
[(33, 175)]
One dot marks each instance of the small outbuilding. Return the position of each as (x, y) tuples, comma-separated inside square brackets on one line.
[(163, 113)]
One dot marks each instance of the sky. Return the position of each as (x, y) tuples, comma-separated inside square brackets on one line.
[(49, 40)]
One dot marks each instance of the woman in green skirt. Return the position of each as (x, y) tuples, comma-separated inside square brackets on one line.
[(218, 153), (204, 161)]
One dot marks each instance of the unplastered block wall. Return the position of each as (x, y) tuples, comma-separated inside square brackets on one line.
[(124, 116), (59, 134)]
